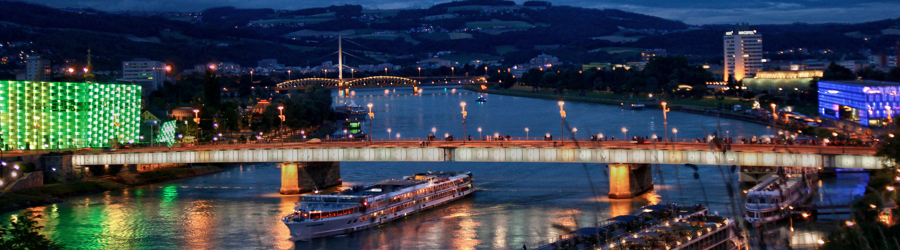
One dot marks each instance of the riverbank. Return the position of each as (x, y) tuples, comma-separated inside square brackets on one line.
[(706, 106), (54, 193)]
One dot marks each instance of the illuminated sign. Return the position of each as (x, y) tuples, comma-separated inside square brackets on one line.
[(789, 74), (744, 32)]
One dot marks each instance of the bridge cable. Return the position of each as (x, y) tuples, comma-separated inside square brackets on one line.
[(587, 175), (662, 179), (736, 211)]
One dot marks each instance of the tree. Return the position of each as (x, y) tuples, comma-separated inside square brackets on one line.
[(893, 75), (890, 146), (870, 73), (837, 72), (23, 232), (212, 93)]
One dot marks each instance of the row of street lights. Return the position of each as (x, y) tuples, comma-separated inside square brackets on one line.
[(562, 115)]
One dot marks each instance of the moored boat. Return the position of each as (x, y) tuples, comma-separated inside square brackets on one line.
[(632, 106), (776, 197), (657, 227), (361, 207)]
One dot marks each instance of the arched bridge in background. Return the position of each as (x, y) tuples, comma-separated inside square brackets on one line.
[(377, 81)]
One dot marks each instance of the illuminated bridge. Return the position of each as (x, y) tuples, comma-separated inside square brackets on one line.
[(376, 81), (628, 161)]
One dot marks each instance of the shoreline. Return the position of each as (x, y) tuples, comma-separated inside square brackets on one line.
[(61, 192), (672, 107)]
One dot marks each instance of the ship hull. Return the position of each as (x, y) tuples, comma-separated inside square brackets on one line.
[(347, 224)]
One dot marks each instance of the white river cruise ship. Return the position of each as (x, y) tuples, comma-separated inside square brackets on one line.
[(775, 198), (361, 207)]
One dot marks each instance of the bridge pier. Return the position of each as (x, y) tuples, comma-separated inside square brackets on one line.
[(302, 177), (629, 180)]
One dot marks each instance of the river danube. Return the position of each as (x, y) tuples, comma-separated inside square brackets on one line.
[(515, 204)]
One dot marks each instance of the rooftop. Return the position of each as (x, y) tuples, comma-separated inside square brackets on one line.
[(868, 83)]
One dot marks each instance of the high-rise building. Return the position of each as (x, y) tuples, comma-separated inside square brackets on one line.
[(47, 115), (145, 72), (37, 69), (743, 53)]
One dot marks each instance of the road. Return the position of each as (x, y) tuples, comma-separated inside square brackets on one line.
[(806, 149)]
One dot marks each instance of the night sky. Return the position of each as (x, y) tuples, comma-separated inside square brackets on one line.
[(689, 11)]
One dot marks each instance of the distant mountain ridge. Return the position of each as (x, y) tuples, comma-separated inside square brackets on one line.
[(477, 27)]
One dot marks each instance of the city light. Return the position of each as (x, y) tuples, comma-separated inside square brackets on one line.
[(72, 114)]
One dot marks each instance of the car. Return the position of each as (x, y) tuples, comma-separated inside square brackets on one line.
[(109, 149), (314, 141)]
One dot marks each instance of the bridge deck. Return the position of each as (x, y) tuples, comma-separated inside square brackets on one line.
[(498, 151)]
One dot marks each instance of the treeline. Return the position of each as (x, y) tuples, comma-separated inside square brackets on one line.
[(662, 75)]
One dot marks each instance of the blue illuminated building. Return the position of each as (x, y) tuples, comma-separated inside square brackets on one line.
[(869, 103)]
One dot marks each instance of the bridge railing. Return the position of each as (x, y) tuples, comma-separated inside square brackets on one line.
[(585, 144)]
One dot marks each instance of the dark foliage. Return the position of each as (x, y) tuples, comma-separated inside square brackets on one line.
[(23, 232)]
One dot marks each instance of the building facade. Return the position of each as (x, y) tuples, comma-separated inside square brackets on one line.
[(147, 73), (869, 103), (743, 53), (49, 115), (37, 69), (651, 53), (544, 59)]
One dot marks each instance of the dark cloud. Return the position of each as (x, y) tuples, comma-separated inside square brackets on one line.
[(689, 11)]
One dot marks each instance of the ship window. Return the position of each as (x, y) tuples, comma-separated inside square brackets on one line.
[(314, 216)]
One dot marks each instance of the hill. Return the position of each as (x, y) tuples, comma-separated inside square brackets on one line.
[(483, 27)]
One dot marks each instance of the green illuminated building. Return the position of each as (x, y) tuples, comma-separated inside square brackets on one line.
[(49, 115)]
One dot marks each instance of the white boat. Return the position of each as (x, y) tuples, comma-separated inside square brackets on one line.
[(364, 207), (776, 197)]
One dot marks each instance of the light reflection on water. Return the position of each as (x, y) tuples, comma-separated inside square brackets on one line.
[(514, 203)]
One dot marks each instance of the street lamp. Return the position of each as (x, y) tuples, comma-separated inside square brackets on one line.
[(562, 116), (675, 131), (575, 133), (433, 131), (452, 70), (625, 133), (385, 73), (526, 133), (281, 125), (197, 121), (665, 120), (479, 132), (371, 118), (289, 75), (835, 134), (464, 113), (420, 71), (151, 133), (389, 133), (774, 117)]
